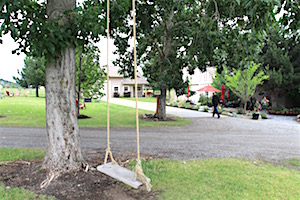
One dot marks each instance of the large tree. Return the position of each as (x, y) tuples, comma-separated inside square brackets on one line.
[(53, 29), (280, 56), (33, 73), (176, 34)]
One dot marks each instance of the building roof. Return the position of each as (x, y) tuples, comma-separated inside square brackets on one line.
[(114, 73)]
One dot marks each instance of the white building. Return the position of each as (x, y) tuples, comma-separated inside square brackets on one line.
[(199, 80), (120, 86)]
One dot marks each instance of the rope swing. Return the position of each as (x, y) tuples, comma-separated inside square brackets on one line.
[(108, 152), (112, 169), (139, 174)]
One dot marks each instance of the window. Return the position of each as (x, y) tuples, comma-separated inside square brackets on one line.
[(126, 89), (116, 89), (139, 88)]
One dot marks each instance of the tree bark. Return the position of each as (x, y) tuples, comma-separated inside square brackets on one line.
[(162, 105), (37, 90), (79, 85), (63, 151), (166, 51)]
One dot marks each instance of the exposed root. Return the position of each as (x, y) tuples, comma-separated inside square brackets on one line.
[(52, 175), (139, 175)]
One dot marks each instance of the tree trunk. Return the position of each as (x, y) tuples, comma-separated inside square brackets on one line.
[(166, 52), (162, 105), (37, 90), (63, 151), (79, 85)]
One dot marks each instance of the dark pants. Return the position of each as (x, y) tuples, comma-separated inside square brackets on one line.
[(216, 111)]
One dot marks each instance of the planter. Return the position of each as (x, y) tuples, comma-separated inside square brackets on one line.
[(255, 116)]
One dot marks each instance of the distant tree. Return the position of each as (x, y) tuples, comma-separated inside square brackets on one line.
[(280, 58), (89, 75), (243, 81), (33, 73)]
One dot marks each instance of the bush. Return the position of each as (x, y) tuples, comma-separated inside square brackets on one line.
[(240, 111), (196, 107), (187, 105), (181, 103), (205, 109), (220, 110), (203, 99), (264, 116)]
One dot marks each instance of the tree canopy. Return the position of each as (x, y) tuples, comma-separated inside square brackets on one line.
[(176, 34)]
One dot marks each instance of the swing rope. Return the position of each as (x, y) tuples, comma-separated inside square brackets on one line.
[(108, 152), (139, 174)]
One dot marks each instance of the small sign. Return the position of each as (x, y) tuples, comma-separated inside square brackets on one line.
[(157, 91)]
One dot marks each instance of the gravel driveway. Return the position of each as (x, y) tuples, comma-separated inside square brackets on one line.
[(206, 137)]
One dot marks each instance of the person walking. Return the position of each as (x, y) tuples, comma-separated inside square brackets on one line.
[(215, 102)]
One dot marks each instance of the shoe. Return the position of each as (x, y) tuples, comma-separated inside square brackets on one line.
[(218, 116)]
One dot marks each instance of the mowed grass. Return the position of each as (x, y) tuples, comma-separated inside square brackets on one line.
[(222, 179), (8, 154), (20, 194), (143, 99), (7, 193), (31, 112)]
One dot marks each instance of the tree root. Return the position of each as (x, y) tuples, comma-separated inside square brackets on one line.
[(52, 175)]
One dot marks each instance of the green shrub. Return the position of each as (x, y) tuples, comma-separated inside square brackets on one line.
[(240, 111), (181, 103), (264, 116), (187, 105), (205, 109), (196, 107), (220, 109)]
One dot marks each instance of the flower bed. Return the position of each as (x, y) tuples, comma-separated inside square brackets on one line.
[(284, 111)]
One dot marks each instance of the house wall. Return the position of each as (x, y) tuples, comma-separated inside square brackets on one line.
[(199, 80), (116, 82)]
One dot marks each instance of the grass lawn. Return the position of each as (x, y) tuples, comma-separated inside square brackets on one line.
[(30, 111), (7, 154), (198, 179), (222, 179), (142, 99)]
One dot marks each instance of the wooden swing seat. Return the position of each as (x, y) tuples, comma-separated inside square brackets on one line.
[(120, 173)]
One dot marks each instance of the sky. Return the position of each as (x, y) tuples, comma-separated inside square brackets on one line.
[(11, 63)]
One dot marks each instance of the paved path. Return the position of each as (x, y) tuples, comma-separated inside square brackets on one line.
[(152, 107), (206, 137)]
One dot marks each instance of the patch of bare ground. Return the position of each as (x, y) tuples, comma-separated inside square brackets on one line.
[(75, 185), (151, 117)]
